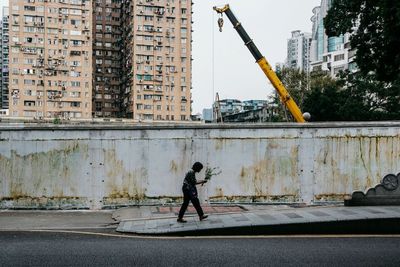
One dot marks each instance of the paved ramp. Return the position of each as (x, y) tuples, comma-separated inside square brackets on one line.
[(312, 219)]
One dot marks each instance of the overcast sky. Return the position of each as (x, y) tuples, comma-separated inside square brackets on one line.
[(221, 61)]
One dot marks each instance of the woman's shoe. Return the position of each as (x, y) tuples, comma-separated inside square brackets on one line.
[(181, 220)]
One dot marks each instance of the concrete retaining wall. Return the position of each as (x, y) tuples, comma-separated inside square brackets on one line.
[(99, 166)]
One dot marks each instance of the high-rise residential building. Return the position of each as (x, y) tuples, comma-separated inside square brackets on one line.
[(156, 67), (107, 58), (331, 54), (51, 58), (298, 51), (101, 58), (4, 51)]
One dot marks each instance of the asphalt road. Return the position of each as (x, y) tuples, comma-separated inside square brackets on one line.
[(73, 249)]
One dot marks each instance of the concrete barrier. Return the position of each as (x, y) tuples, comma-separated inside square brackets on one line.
[(102, 166)]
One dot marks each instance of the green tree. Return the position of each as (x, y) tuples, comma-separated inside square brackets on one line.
[(324, 98), (375, 28), (316, 93), (373, 93), (296, 83), (349, 97), (365, 98)]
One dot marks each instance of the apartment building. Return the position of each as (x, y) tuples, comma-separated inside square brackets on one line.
[(156, 75), (330, 54), (4, 50), (50, 58), (107, 58), (233, 110), (101, 58), (298, 51)]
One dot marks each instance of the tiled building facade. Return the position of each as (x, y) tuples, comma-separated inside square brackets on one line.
[(101, 58), (107, 61), (157, 59), (50, 58), (4, 51)]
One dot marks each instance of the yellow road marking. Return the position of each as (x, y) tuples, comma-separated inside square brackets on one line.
[(215, 237)]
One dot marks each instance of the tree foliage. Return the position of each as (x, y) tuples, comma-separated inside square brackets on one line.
[(297, 84), (365, 98), (373, 92), (324, 99), (350, 97), (316, 93), (375, 29)]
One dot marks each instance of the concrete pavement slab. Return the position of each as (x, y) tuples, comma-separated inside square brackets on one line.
[(38, 219)]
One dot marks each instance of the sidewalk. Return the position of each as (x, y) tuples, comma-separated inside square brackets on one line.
[(222, 220), (234, 220), (153, 212), (20, 220)]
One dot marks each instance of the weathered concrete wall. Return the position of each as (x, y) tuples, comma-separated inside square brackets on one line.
[(101, 166)]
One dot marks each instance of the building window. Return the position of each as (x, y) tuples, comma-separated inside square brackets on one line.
[(339, 57)]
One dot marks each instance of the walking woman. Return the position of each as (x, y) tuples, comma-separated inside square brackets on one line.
[(190, 192)]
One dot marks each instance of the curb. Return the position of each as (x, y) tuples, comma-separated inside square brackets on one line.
[(386, 226)]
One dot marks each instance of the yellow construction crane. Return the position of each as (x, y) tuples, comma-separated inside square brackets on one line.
[(263, 63)]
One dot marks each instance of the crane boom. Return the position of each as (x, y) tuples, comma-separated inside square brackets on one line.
[(264, 65)]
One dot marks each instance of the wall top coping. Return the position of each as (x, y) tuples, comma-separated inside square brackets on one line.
[(71, 126)]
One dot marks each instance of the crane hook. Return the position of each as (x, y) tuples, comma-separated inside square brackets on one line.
[(220, 23)]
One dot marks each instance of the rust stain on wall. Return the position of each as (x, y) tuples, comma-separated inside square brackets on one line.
[(331, 197), (273, 174), (219, 143), (219, 192), (41, 174), (174, 167), (46, 203), (255, 199), (123, 185), (349, 163)]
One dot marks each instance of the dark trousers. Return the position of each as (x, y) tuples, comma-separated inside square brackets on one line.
[(190, 194)]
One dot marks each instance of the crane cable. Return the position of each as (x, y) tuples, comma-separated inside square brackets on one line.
[(213, 61)]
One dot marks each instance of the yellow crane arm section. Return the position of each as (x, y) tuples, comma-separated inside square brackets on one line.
[(286, 99)]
